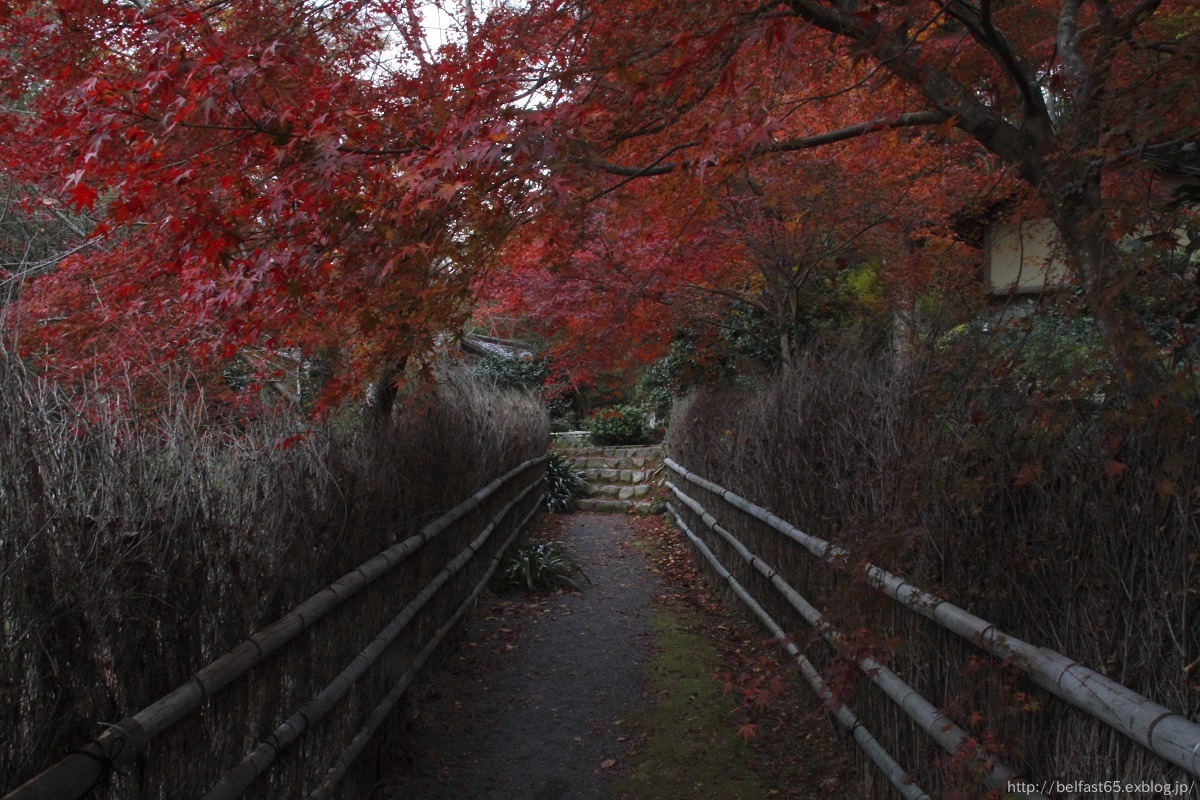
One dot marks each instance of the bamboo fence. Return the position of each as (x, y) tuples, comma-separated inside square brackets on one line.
[(1166, 733), (125, 745), (896, 774)]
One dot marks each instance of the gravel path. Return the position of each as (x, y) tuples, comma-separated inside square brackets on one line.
[(530, 706)]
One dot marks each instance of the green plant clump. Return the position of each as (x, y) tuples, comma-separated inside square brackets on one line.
[(619, 425), (541, 567), (564, 485), (514, 373)]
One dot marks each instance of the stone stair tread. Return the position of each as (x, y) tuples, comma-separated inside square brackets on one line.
[(625, 491), (608, 462), (619, 506), (630, 476), (622, 479)]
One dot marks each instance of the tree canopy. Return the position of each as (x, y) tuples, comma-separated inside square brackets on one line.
[(258, 175)]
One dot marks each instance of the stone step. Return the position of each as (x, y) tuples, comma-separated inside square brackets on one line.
[(609, 476), (569, 438), (621, 506), (627, 492), (609, 462)]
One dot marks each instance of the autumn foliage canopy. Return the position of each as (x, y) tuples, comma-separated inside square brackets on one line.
[(347, 179)]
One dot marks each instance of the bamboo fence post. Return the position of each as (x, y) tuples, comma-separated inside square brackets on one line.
[(896, 774), (77, 773), (1166, 733)]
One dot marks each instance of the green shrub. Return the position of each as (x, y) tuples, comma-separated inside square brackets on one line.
[(619, 425), (514, 373), (541, 567), (564, 485)]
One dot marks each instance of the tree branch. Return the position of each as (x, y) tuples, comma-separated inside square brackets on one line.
[(946, 94), (1137, 14), (912, 120), (1067, 39), (919, 118), (24, 273), (979, 23)]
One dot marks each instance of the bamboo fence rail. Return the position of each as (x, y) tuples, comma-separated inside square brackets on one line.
[(340, 767), (1164, 732), (928, 718), (121, 743), (238, 779), (895, 773)]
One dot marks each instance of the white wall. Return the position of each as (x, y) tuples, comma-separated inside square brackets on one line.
[(1019, 257)]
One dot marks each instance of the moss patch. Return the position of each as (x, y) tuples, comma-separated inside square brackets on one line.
[(691, 747), (795, 753)]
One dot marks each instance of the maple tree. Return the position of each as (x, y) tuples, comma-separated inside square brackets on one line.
[(256, 180), (264, 175), (1067, 98), (1074, 134), (757, 258), (608, 287)]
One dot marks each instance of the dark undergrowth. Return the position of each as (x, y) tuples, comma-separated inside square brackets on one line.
[(1061, 517), (135, 548)]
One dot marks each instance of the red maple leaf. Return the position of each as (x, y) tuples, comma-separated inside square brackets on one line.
[(82, 197)]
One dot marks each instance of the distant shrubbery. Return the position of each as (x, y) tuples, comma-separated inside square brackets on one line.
[(619, 425), (515, 372)]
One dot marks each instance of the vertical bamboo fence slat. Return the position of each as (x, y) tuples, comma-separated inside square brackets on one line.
[(895, 773), (121, 743), (1164, 732), (939, 727)]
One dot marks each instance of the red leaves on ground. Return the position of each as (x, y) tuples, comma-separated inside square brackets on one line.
[(778, 716)]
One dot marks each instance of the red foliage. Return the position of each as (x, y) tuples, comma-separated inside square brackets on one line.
[(255, 185), (277, 175)]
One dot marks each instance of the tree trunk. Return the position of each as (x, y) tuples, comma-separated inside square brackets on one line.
[(786, 360), (1090, 242), (385, 390)]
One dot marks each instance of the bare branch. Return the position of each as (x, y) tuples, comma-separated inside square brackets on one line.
[(24, 273), (70, 223)]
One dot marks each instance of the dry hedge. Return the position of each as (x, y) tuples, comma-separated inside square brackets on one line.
[(134, 550), (1053, 519)]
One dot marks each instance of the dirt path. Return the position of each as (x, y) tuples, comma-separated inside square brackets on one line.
[(609, 694), (531, 707)]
